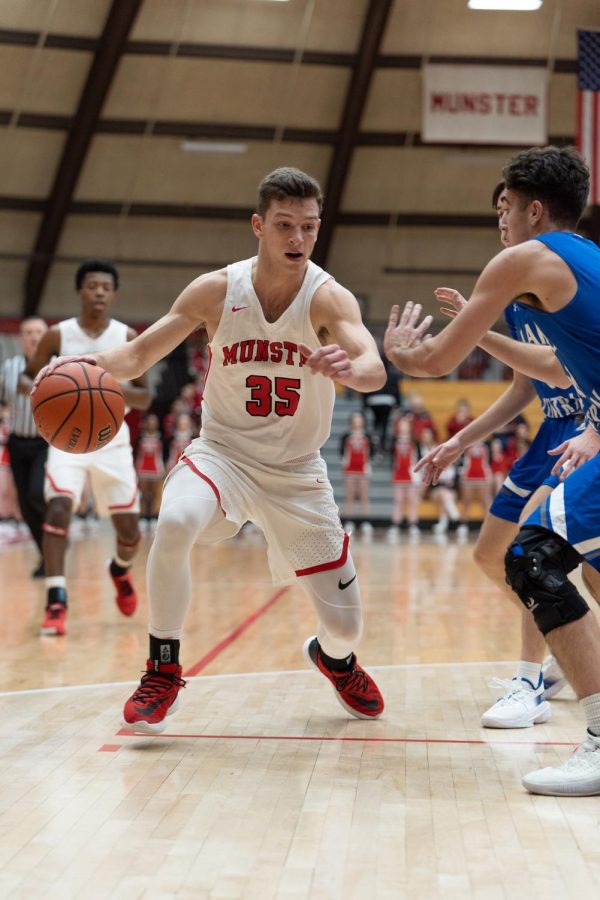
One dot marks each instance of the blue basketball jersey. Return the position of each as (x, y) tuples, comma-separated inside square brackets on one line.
[(574, 330), (556, 402)]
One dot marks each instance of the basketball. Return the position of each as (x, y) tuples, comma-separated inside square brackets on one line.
[(78, 407)]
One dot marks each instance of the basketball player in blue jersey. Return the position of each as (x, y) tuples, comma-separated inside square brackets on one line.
[(529, 482), (556, 274), (281, 332)]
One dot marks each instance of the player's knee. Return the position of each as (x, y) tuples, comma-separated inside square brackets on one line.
[(536, 566), (176, 529), (58, 513)]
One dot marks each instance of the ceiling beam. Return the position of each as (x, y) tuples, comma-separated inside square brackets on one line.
[(370, 42), (111, 44)]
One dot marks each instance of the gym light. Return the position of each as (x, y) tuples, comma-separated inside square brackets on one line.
[(212, 147), (515, 5)]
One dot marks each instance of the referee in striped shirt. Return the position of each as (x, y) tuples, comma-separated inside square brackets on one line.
[(27, 449)]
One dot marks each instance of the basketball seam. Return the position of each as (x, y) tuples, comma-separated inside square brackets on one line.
[(91, 425)]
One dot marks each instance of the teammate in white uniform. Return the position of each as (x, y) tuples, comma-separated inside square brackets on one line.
[(111, 468), (281, 332)]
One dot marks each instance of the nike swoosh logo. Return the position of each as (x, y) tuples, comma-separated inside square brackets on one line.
[(343, 585), (149, 709), (237, 308), (368, 704), (321, 481)]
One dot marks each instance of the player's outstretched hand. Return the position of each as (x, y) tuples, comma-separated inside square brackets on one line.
[(330, 361), (575, 452), (55, 363), (404, 331), (449, 295), (438, 458)]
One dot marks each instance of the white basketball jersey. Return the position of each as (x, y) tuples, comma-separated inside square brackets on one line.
[(259, 399), (75, 342)]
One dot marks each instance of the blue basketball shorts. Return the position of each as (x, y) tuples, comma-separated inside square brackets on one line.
[(573, 512), (533, 469)]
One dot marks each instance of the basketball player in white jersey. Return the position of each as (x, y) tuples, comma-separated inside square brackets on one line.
[(281, 332), (111, 468)]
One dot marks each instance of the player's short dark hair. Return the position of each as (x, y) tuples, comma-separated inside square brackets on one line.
[(96, 265), (501, 186), (287, 183), (556, 176)]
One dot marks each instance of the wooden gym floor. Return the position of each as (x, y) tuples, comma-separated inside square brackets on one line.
[(262, 787)]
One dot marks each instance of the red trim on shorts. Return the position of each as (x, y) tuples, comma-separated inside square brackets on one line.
[(205, 478), (325, 567), (126, 505), (56, 488)]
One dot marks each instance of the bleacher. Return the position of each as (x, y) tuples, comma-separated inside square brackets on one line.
[(440, 399)]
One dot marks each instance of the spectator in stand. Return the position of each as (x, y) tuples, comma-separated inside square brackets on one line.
[(460, 417), (355, 449), (169, 421), (419, 418), (443, 494), (475, 483), (382, 403), (407, 484), (499, 464), (185, 431), (522, 439), (150, 468)]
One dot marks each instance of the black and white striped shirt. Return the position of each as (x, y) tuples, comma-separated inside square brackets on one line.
[(21, 418)]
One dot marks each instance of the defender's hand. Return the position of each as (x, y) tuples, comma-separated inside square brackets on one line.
[(438, 458), (403, 331)]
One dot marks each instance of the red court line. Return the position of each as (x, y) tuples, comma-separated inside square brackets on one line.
[(222, 645), (365, 740)]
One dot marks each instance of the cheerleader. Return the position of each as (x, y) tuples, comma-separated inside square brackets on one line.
[(475, 482), (150, 468), (356, 466), (406, 484), (184, 432)]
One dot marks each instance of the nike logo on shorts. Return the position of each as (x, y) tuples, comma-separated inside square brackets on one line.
[(344, 584), (237, 308)]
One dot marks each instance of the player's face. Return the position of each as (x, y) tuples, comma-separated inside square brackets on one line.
[(97, 293), (501, 210), (31, 335), (516, 222), (288, 231)]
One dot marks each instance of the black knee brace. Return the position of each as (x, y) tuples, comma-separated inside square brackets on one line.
[(536, 566)]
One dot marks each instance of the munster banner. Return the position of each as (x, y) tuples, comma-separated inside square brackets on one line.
[(467, 104)]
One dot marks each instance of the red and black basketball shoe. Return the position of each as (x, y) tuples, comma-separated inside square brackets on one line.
[(55, 620), (155, 698), (354, 688), (126, 598)]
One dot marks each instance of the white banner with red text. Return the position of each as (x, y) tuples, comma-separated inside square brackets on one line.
[(467, 104)]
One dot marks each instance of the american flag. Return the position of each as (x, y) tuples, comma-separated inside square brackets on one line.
[(588, 107)]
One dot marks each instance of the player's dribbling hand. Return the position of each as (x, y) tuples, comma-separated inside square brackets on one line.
[(330, 361), (403, 331), (449, 295), (55, 363), (575, 452), (438, 458)]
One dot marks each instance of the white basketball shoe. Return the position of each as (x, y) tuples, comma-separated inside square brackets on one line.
[(579, 776), (522, 706)]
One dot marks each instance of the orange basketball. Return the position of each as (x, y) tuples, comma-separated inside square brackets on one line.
[(78, 408)]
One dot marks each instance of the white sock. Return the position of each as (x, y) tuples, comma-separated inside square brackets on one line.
[(591, 709), (56, 581), (531, 671)]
